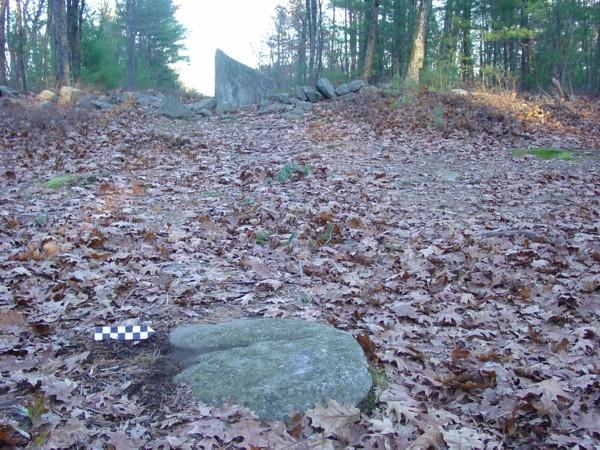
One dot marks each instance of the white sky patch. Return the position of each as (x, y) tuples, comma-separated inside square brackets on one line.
[(235, 26)]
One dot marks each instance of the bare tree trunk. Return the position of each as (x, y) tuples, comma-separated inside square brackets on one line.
[(3, 9), (417, 55), (597, 72), (74, 24), (131, 44), (447, 46), (352, 25), (21, 73), (399, 21), (301, 70), (58, 19), (371, 41), (331, 60), (320, 41), (311, 19), (346, 63), (467, 57)]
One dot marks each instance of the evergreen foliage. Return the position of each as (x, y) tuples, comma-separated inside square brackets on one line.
[(510, 44), (159, 45)]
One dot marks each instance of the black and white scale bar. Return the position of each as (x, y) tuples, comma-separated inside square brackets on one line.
[(123, 333)]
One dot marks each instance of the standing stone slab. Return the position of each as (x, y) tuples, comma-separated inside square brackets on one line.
[(325, 87), (273, 366), (237, 85)]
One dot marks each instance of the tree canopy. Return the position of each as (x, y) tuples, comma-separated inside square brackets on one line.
[(515, 44), (88, 45), (522, 44)]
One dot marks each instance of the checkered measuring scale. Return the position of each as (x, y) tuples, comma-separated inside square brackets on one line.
[(123, 333)]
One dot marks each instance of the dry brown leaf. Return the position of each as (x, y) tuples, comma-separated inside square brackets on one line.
[(335, 419)]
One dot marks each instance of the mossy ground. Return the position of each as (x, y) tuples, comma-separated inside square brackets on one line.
[(543, 153)]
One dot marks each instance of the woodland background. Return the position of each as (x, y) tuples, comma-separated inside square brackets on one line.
[(512, 44)]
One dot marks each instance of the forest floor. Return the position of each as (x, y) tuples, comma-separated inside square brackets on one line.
[(472, 274)]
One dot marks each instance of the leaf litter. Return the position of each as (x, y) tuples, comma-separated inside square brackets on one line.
[(469, 275)]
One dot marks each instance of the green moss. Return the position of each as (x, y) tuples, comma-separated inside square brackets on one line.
[(543, 153), (82, 180), (262, 237), (289, 169), (380, 384), (56, 182)]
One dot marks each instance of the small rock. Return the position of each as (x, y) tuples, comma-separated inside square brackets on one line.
[(461, 92), (356, 85), (47, 96), (86, 102), (101, 105), (350, 96), (207, 103), (274, 107), (171, 107), (304, 106), (283, 97), (369, 90), (273, 366), (205, 113)]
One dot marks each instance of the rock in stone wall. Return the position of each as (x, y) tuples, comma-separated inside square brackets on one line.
[(237, 85)]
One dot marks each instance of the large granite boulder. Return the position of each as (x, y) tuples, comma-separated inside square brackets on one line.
[(356, 85), (325, 87), (273, 366), (312, 94), (5, 91), (237, 85), (47, 96), (70, 95)]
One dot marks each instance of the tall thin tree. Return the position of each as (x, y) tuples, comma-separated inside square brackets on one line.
[(371, 41), (3, 11), (58, 25), (130, 18), (417, 54), (75, 10), (20, 66)]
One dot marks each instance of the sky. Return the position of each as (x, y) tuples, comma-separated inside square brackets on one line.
[(235, 26)]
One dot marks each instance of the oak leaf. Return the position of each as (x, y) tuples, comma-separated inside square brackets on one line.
[(335, 419)]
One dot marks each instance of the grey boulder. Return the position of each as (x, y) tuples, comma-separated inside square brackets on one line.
[(171, 107), (207, 103), (356, 85), (325, 87), (273, 366)]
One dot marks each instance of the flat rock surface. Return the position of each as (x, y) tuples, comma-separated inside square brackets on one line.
[(273, 366)]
